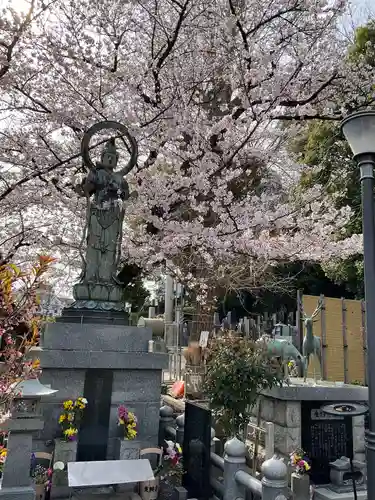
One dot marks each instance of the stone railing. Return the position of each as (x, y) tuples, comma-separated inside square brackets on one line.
[(233, 481)]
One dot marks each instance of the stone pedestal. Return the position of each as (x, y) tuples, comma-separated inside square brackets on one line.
[(322, 493), (16, 481), (97, 351), (65, 451), (341, 469), (126, 449), (300, 485)]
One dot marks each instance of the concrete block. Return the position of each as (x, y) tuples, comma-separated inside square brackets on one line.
[(64, 452), (99, 359), (96, 337), (68, 382), (268, 409), (151, 420), (284, 413), (323, 391), (127, 450), (136, 385), (359, 421), (322, 493), (51, 412), (17, 493), (293, 414), (287, 439), (359, 439), (23, 425), (16, 471), (361, 457)]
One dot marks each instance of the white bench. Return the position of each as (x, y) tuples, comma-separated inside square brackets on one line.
[(108, 473)]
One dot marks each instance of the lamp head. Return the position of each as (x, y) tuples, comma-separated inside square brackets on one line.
[(359, 130)]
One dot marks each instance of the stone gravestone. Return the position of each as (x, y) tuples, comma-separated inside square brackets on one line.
[(90, 350), (324, 438), (196, 451)]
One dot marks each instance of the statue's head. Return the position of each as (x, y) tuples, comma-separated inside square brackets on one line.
[(309, 322), (109, 156)]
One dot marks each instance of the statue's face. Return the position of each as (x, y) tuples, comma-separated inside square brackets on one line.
[(308, 322), (109, 160)]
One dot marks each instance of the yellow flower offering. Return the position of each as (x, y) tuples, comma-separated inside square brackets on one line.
[(70, 433), (71, 416), (68, 405)]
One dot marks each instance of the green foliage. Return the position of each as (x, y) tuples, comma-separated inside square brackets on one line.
[(364, 43), (237, 371), (131, 278), (357, 382), (327, 155), (136, 295)]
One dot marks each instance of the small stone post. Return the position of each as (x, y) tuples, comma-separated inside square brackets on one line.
[(166, 419), (234, 460), (180, 421), (213, 442), (275, 480)]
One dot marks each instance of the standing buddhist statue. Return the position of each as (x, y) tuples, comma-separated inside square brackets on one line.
[(106, 191)]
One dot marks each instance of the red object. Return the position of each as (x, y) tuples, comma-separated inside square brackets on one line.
[(178, 389)]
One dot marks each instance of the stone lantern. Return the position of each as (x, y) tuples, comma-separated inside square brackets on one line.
[(25, 419)]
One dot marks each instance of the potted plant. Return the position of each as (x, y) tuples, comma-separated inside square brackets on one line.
[(171, 469), (127, 446), (300, 480), (41, 477), (238, 370)]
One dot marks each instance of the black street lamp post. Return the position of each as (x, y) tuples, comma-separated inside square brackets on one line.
[(359, 131)]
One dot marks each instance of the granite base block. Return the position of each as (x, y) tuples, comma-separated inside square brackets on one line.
[(327, 494), (126, 449), (81, 360), (300, 485), (64, 452), (321, 391), (17, 493), (92, 337)]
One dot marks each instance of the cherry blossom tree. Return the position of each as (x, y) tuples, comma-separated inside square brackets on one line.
[(20, 325), (203, 86)]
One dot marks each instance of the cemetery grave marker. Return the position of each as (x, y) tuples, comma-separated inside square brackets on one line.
[(196, 451), (324, 438)]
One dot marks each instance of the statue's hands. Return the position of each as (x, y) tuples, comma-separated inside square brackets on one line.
[(133, 195), (78, 188), (85, 188)]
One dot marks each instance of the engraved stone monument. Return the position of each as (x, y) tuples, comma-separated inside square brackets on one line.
[(91, 351), (299, 422)]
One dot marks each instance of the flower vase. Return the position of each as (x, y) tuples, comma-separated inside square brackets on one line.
[(149, 490), (127, 449), (300, 485), (39, 491), (65, 451), (166, 490)]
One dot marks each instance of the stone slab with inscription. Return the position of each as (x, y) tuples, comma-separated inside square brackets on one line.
[(324, 438)]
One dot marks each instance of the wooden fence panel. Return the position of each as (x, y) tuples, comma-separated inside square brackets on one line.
[(343, 326)]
